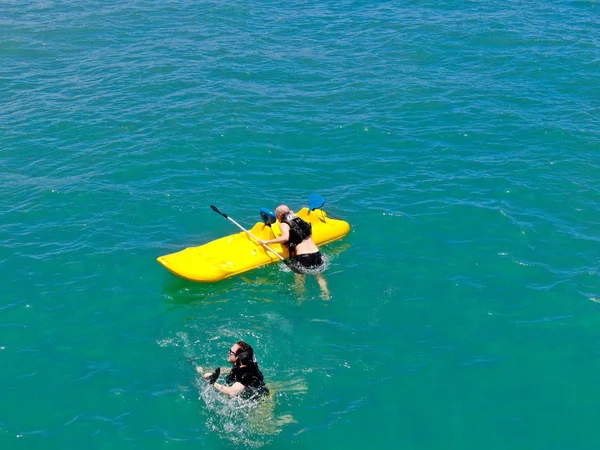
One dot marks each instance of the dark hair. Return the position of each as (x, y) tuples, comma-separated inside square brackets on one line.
[(244, 354), (244, 347)]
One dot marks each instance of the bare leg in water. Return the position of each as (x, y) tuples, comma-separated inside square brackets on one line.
[(300, 287), (325, 295), (299, 283)]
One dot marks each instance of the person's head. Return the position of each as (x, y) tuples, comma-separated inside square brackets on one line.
[(240, 353), (281, 211)]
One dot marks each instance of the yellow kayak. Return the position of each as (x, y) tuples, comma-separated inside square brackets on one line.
[(238, 253)]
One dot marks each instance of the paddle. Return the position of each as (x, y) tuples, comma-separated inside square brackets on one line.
[(287, 262), (315, 201), (215, 376)]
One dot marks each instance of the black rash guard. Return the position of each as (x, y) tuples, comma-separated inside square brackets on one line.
[(252, 379)]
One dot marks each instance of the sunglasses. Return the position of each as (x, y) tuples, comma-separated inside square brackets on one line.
[(232, 353)]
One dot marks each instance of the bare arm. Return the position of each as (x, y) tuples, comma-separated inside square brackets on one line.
[(285, 235), (230, 391)]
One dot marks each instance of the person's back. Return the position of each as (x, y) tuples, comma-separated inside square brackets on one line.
[(300, 234), (297, 235)]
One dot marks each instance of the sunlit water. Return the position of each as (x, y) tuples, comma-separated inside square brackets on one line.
[(459, 140)]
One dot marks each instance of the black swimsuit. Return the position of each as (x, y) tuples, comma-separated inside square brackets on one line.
[(309, 261)]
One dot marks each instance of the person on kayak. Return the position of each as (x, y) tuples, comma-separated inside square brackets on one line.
[(245, 378), (297, 235)]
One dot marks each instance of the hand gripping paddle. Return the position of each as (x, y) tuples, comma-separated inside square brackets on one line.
[(215, 376), (287, 262)]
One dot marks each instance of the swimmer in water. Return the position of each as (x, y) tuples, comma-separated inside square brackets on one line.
[(245, 378)]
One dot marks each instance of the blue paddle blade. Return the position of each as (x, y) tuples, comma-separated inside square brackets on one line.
[(268, 216), (315, 201)]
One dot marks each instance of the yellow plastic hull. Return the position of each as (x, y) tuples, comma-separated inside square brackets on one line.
[(238, 253)]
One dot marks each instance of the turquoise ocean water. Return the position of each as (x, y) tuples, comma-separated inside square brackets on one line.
[(460, 139)]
